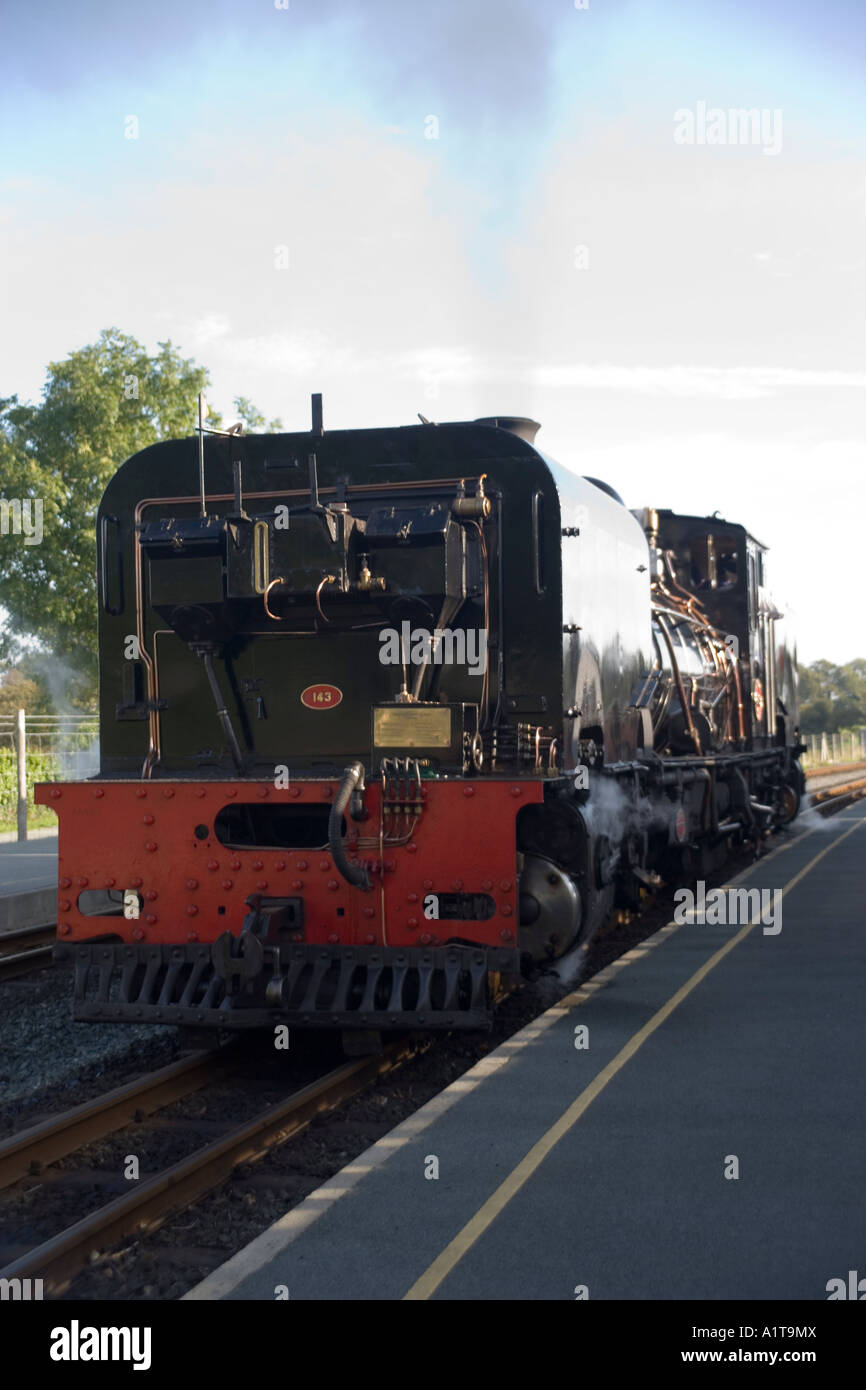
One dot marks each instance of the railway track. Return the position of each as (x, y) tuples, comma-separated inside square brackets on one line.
[(25, 1157), (828, 800), (25, 949)]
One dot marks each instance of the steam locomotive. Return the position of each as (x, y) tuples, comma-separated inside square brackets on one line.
[(389, 715)]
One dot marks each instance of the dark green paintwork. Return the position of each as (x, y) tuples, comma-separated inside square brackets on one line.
[(262, 671)]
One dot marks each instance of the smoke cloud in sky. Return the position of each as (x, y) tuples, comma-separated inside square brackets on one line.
[(684, 320), (485, 63)]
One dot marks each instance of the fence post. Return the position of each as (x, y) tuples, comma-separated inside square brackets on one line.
[(22, 775)]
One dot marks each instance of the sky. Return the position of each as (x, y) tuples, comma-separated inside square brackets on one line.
[(469, 208)]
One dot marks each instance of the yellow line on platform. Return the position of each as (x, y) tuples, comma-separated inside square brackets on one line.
[(442, 1266)]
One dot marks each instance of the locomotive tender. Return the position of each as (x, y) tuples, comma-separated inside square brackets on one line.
[(387, 714)]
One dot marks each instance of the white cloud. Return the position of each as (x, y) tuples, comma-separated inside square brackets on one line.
[(208, 330), (681, 362)]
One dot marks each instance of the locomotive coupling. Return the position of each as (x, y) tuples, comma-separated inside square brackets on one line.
[(353, 781)]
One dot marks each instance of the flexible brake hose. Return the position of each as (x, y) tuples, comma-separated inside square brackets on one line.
[(357, 877)]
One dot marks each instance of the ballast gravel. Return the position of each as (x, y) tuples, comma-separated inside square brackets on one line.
[(48, 1062)]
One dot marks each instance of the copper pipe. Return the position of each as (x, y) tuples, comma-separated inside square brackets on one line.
[(692, 599), (741, 717), (689, 597), (733, 665), (485, 680), (275, 616), (328, 579), (677, 604), (692, 619), (678, 680), (702, 626), (681, 606), (551, 755)]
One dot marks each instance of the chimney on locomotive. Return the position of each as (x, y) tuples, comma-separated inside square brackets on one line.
[(520, 425)]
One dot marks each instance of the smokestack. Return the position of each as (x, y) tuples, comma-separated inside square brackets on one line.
[(517, 424)]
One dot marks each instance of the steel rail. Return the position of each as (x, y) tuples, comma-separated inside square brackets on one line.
[(832, 799), (14, 963), (57, 1260), (60, 1135), (839, 789)]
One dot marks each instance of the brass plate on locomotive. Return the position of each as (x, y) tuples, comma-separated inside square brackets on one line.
[(407, 726)]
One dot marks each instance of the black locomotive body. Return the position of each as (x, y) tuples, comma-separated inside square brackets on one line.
[(386, 713)]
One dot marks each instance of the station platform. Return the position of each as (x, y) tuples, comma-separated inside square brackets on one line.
[(27, 865), (708, 1143)]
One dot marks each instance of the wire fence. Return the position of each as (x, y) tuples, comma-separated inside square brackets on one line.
[(846, 746), (42, 748)]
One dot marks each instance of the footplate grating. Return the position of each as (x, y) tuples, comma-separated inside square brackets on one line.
[(304, 985)]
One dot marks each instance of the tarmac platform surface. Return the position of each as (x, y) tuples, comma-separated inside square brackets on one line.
[(28, 865), (708, 1143)]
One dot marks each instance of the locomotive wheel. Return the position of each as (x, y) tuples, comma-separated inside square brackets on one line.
[(789, 803)]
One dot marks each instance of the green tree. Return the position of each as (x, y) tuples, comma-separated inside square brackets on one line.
[(832, 697), (102, 404), (253, 419), (19, 691)]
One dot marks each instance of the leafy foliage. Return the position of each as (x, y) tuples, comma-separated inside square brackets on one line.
[(41, 767), (102, 404), (19, 691), (832, 697), (253, 419)]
